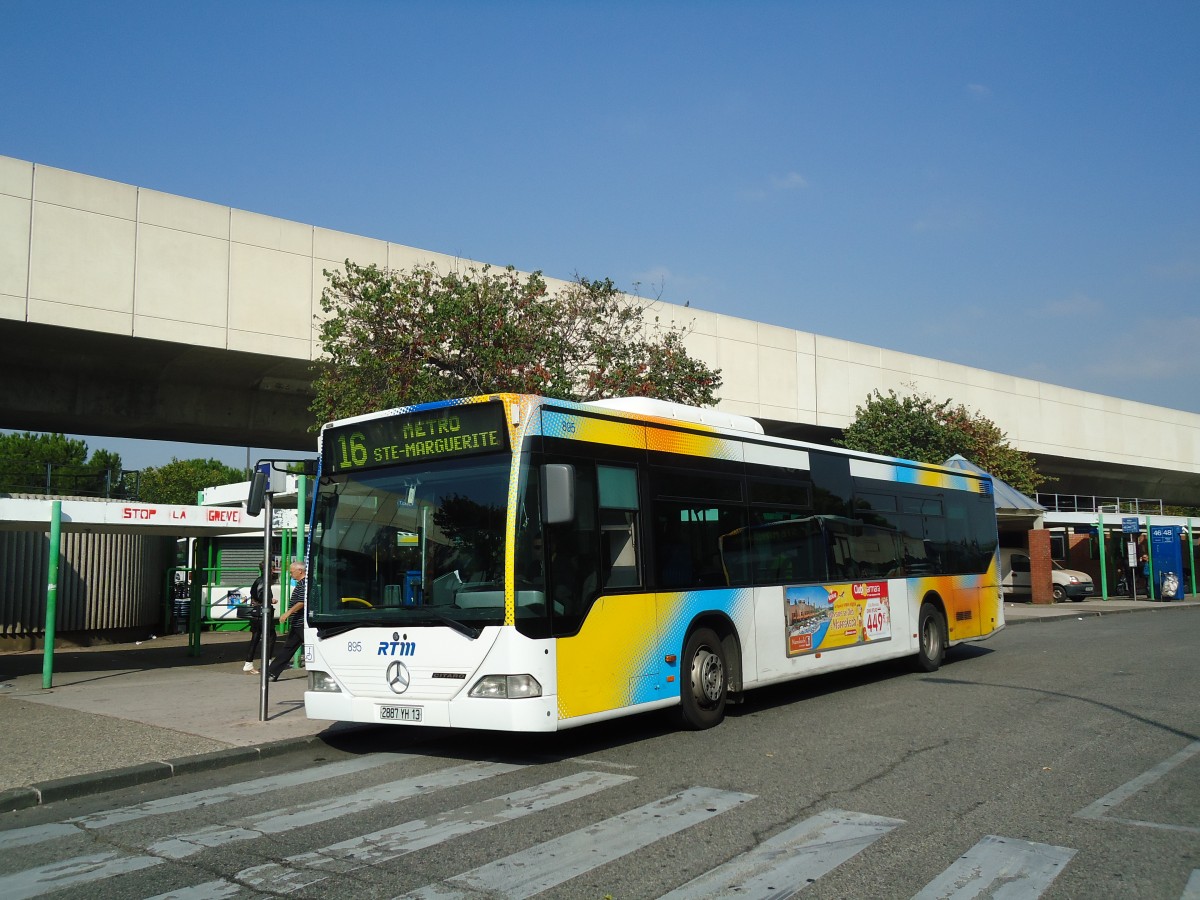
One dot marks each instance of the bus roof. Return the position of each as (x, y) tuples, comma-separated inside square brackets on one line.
[(665, 409), (680, 413)]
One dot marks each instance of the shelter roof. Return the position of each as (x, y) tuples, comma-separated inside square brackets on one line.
[(1007, 497)]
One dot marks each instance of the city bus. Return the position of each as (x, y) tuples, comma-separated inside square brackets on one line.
[(517, 563)]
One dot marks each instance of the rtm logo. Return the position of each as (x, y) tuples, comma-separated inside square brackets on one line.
[(397, 648)]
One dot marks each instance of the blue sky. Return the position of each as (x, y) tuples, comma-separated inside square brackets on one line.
[(1012, 185)]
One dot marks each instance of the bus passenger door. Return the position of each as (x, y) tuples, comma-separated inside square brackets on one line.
[(607, 651)]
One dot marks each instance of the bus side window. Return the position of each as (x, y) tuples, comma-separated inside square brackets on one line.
[(618, 526), (618, 548), (687, 541), (785, 548)]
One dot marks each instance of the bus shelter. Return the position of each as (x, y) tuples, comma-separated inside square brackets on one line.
[(196, 524)]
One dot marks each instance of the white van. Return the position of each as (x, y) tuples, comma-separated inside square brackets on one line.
[(1066, 584)]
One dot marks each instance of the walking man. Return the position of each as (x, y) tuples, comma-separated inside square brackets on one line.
[(295, 619)]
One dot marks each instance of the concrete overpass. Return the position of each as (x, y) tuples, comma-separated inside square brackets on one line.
[(133, 313)]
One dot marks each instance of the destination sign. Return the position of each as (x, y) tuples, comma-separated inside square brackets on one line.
[(449, 432)]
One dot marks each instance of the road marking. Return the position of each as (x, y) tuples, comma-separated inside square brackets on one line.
[(1099, 810), (69, 872), (210, 890), (791, 860), (281, 820), (1191, 890), (306, 869), (589, 761), (781, 866), (999, 867), (553, 862), (36, 834), (82, 869)]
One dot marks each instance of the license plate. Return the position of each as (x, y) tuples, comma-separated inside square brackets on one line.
[(400, 713)]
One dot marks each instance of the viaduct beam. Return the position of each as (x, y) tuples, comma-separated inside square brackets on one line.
[(129, 312), (65, 379)]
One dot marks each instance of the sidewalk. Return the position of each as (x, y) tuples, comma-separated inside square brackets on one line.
[(1016, 613), (125, 714)]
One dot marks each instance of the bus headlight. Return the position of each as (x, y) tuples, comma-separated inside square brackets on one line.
[(507, 687), (320, 681)]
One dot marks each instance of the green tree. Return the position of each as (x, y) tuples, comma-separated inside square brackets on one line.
[(918, 427), (181, 479), (982, 442), (109, 478), (54, 463), (398, 337)]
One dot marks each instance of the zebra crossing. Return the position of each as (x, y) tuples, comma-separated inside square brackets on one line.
[(777, 867)]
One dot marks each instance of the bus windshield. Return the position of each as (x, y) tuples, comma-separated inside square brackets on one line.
[(412, 545)]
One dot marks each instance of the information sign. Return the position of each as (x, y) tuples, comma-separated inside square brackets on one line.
[(448, 432)]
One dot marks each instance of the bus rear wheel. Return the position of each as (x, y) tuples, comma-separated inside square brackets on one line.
[(931, 638), (705, 680)]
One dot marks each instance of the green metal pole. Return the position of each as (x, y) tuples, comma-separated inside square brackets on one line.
[(301, 543), (301, 509), (197, 616), (1192, 556), (213, 559), (267, 611), (1103, 561), (285, 558), (52, 594)]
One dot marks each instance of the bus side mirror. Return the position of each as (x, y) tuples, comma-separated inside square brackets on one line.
[(558, 493), (258, 492)]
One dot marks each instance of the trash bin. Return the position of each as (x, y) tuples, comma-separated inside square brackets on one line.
[(180, 611), (1168, 586)]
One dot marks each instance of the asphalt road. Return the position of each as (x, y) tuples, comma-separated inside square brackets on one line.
[(1060, 761)]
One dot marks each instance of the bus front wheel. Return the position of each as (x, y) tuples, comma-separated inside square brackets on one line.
[(931, 638), (706, 680)]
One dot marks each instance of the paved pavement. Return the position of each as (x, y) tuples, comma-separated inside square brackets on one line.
[(124, 714)]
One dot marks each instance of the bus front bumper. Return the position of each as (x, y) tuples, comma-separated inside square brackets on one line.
[(526, 714)]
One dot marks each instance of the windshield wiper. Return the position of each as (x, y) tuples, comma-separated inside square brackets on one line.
[(442, 619), (328, 631)]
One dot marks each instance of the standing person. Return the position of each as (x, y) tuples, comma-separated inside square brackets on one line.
[(257, 596), (295, 619)]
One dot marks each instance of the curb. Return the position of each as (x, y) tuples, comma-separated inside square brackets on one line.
[(1090, 613), (76, 786)]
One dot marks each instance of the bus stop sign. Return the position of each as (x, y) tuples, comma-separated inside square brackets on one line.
[(1130, 525)]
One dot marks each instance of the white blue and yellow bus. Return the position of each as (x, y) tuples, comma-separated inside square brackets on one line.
[(516, 563)]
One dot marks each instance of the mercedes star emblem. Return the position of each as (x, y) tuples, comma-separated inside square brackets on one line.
[(397, 677)]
